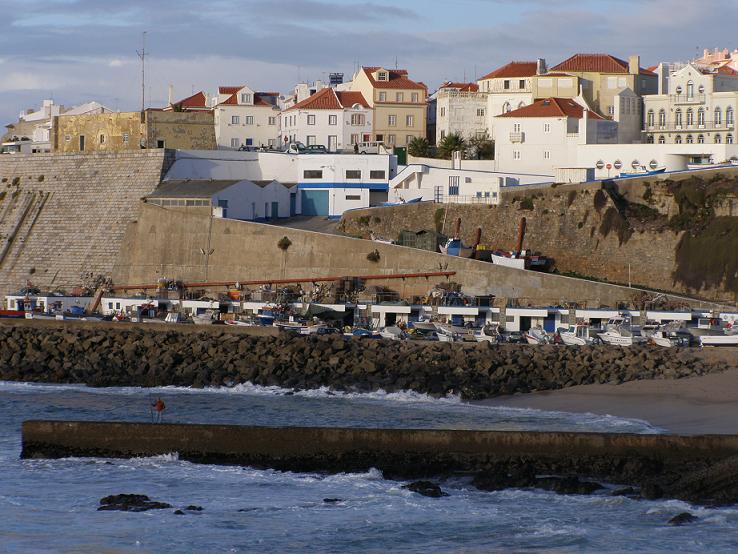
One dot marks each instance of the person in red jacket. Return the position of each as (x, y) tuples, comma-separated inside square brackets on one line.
[(159, 408)]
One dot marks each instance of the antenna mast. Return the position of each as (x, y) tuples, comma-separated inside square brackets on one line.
[(142, 57)]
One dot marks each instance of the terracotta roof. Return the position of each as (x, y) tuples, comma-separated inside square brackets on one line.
[(652, 68), (554, 74), (329, 99), (229, 90), (513, 69), (196, 101), (462, 87), (725, 70), (597, 63), (397, 79), (552, 107)]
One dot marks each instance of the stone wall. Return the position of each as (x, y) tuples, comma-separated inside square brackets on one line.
[(616, 233), (64, 215), (167, 242)]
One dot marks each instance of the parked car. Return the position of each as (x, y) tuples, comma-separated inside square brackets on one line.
[(315, 149), (294, 148), (372, 148)]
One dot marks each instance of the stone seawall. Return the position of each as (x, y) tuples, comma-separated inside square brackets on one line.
[(153, 356), (697, 469)]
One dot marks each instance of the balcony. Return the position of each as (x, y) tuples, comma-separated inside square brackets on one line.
[(517, 137), (687, 98), (708, 126)]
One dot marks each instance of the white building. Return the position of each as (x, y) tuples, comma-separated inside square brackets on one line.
[(698, 106), (244, 117), (460, 109), (327, 184), (46, 302), (231, 199), (335, 119), (545, 135), (303, 91)]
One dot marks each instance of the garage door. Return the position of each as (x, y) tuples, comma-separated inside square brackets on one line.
[(314, 202)]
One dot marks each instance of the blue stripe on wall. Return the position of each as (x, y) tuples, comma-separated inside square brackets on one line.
[(370, 186)]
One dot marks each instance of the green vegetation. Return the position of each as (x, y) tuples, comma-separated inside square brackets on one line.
[(376, 220), (526, 204), (373, 256), (16, 181), (284, 243), (419, 147), (449, 144), (438, 219), (40, 179), (481, 147)]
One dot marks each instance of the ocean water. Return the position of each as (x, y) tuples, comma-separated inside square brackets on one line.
[(51, 505)]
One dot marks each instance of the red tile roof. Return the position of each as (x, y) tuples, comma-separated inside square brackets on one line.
[(462, 87), (260, 98), (511, 70), (194, 102), (552, 107), (725, 70), (397, 79), (596, 63), (229, 90), (329, 99)]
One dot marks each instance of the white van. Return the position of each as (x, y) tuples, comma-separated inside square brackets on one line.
[(373, 148)]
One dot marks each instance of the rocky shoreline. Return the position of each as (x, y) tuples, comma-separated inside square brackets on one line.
[(148, 356)]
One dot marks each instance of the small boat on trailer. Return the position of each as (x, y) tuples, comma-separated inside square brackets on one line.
[(642, 171)]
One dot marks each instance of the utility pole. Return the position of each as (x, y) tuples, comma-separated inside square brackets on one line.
[(142, 56)]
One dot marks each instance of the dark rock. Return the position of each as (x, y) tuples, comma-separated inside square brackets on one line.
[(425, 488), (683, 518), (651, 491), (130, 503), (192, 508), (332, 500), (627, 491), (178, 513), (567, 485)]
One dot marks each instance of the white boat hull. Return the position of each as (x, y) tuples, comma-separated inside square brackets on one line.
[(719, 340), (571, 340)]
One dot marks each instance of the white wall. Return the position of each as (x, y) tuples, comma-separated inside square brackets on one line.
[(249, 201), (295, 126), (261, 132), (420, 181)]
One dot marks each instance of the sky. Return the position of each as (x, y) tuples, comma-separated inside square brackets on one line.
[(75, 51)]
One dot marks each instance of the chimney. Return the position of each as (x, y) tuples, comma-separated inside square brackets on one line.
[(171, 94), (634, 65), (541, 68)]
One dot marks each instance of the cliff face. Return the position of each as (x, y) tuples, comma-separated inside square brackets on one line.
[(63, 217), (673, 235)]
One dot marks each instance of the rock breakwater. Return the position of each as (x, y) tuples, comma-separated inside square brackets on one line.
[(145, 356)]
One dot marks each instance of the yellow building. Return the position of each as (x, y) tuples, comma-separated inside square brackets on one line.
[(603, 77), (399, 104), (116, 131)]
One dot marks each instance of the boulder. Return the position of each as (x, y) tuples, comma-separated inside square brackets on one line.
[(682, 519), (130, 503), (425, 488)]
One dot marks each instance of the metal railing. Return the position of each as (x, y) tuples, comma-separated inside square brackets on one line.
[(466, 199), (687, 98), (706, 126), (517, 137)]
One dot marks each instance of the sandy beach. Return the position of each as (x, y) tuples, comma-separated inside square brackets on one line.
[(697, 405)]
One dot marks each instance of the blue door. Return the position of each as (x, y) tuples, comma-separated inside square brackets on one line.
[(275, 210), (293, 204), (314, 202), (549, 324)]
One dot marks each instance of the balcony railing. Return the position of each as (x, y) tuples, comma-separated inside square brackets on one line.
[(517, 137), (687, 98), (709, 126)]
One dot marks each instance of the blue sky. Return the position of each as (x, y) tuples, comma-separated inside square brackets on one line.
[(79, 50)]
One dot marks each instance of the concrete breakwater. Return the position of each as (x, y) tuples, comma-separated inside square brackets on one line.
[(698, 469), (149, 355)]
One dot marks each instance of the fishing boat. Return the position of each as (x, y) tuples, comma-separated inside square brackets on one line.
[(392, 333), (660, 338), (206, 318), (577, 335), (454, 247), (488, 334), (642, 171), (733, 161), (719, 340), (705, 162), (618, 332), (536, 336)]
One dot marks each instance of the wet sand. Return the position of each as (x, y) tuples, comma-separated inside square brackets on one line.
[(692, 406)]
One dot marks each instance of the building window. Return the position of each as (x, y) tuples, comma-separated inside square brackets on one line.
[(662, 118), (653, 164), (353, 197), (235, 119), (312, 174), (690, 139), (718, 117), (635, 164), (690, 117), (516, 127), (611, 111), (506, 107), (546, 155), (357, 119), (690, 90), (160, 143), (415, 97), (718, 139), (399, 97), (453, 185), (700, 139), (235, 143), (377, 174), (311, 120), (311, 140), (332, 120), (546, 127), (443, 112), (249, 120), (353, 174), (67, 138), (701, 89), (516, 154), (729, 139), (506, 84), (382, 76), (409, 139), (649, 139), (678, 139), (600, 164), (272, 120), (245, 98), (125, 138), (392, 120), (480, 112), (102, 139), (521, 84), (729, 121), (382, 96), (355, 138), (662, 139), (618, 164), (409, 121), (650, 118), (391, 140), (678, 117), (443, 134)]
